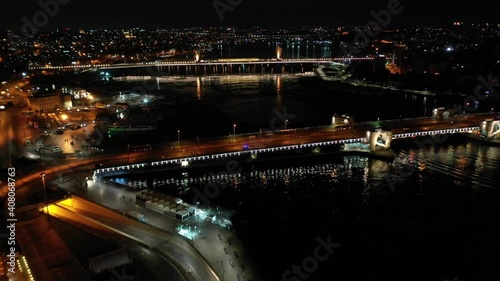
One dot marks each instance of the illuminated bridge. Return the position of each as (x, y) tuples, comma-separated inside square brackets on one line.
[(370, 139), (208, 62)]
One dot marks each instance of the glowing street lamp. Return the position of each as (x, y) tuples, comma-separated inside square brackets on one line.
[(64, 117), (42, 175), (179, 136), (234, 130)]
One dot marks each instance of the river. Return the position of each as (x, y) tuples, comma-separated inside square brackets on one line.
[(209, 106)]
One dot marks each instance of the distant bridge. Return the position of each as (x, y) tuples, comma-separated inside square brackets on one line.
[(214, 62)]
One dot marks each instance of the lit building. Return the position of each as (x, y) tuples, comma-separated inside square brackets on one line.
[(343, 121), (45, 101), (67, 100), (76, 92), (443, 112), (490, 128), (129, 35)]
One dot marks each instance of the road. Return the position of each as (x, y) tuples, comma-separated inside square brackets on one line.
[(301, 136), (208, 243), (155, 262), (181, 149), (190, 262)]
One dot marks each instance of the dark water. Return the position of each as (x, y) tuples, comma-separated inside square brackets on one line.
[(208, 106), (439, 223)]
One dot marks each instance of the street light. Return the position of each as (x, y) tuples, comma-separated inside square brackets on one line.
[(286, 122), (42, 175), (179, 136), (64, 117), (234, 130)]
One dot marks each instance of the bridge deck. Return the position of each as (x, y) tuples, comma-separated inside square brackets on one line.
[(196, 63), (157, 164)]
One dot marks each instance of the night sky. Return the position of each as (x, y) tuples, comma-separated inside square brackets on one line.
[(167, 13)]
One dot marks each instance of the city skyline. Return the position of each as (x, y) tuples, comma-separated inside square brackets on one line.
[(242, 140), (92, 14)]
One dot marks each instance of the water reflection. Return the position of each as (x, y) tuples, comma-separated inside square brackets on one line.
[(349, 196), (465, 163), (469, 164), (314, 101), (353, 168), (198, 88)]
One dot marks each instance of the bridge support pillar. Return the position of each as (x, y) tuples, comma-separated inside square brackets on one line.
[(490, 129), (379, 140)]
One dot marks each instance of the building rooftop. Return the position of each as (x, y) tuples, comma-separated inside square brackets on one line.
[(45, 92)]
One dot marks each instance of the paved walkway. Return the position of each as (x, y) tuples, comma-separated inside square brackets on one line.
[(225, 253)]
